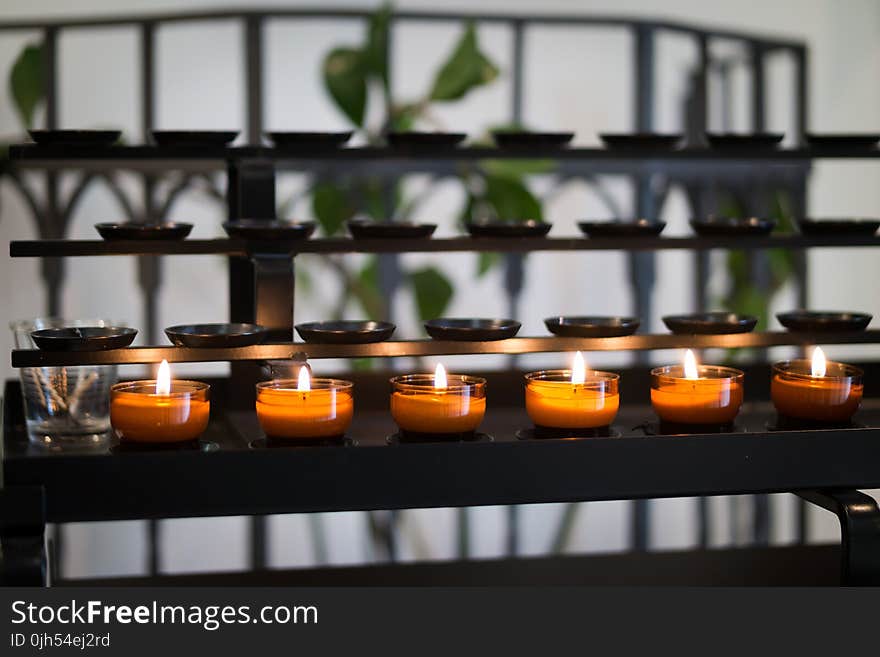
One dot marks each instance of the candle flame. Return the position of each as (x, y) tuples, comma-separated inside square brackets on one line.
[(690, 365), (163, 379), (819, 363), (578, 369), (303, 383), (440, 382)]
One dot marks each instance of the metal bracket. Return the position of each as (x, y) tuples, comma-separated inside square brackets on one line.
[(859, 518), (23, 536)]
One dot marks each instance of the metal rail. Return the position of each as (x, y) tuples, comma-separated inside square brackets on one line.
[(140, 355)]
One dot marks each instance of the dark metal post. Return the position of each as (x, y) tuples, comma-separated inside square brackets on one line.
[(513, 262), (642, 265)]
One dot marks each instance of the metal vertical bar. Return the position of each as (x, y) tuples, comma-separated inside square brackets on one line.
[(262, 288), (254, 78), (513, 263), (150, 267), (802, 100), (642, 265), (52, 269), (759, 100), (761, 518), (695, 129)]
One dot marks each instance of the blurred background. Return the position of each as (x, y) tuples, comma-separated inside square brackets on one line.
[(575, 78)]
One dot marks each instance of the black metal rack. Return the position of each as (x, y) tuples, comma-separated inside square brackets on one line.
[(243, 477)]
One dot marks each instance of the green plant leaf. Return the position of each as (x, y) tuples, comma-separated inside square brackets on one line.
[(511, 199), (366, 289), (345, 77), (376, 50), (331, 207), (465, 69), (517, 168), (26, 83), (432, 290), (486, 261), (403, 117)]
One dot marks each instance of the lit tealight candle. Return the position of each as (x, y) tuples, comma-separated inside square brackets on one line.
[(304, 407), (816, 389), (696, 394), (438, 404), (572, 399), (160, 411)]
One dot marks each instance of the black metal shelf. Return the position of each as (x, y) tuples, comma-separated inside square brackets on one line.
[(394, 348), (228, 474), (201, 158), (237, 247)]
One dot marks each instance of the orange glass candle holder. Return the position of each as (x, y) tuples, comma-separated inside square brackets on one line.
[(139, 414), (323, 411), (418, 407), (834, 397), (714, 397), (553, 401)]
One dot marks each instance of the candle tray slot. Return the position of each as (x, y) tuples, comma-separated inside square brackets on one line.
[(415, 437), (270, 442), (552, 433)]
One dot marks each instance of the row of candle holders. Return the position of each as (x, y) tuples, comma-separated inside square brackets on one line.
[(446, 406)]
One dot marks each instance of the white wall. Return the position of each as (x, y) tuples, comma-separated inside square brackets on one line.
[(575, 80)]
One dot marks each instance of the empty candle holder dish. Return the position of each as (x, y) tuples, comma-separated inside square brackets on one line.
[(345, 331), (525, 139), (194, 137), (310, 140), (732, 226), (75, 137), (511, 228), (838, 226), (133, 231), (591, 327), (819, 321), (641, 141), (269, 230), (218, 336), (366, 229), (471, 329), (83, 338), (714, 323), (619, 228), (431, 140)]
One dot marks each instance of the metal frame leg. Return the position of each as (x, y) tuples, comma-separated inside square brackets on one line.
[(859, 518)]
